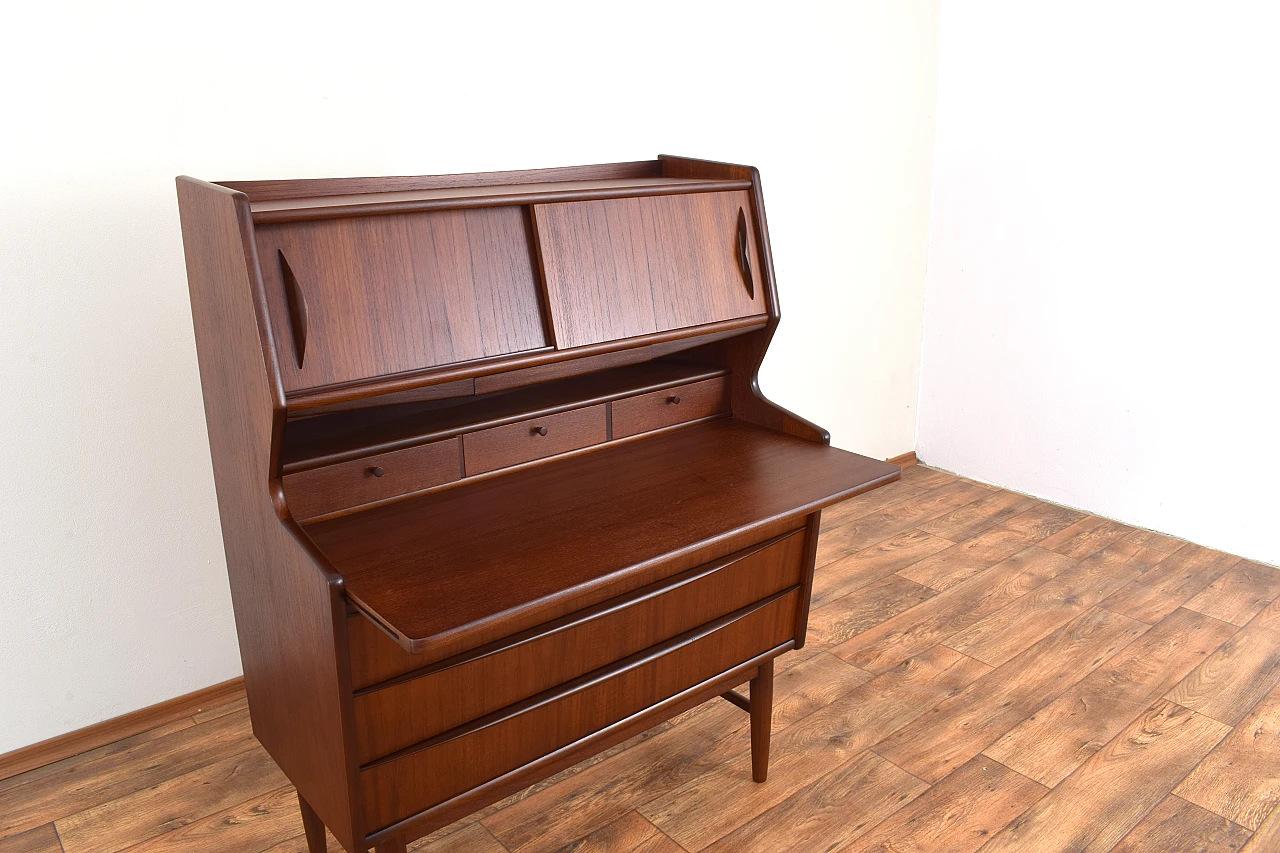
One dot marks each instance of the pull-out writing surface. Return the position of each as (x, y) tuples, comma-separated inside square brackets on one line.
[(622, 268), (361, 297), (521, 549)]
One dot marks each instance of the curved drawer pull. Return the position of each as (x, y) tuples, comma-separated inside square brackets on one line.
[(297, 303), (744, 256)]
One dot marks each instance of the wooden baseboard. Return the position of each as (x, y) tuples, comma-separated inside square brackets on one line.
[(906, 460), (118, 728)]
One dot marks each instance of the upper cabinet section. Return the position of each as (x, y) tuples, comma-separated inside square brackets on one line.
[(368, 296), (626, 267)]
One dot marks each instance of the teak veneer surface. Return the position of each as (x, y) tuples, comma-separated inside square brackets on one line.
[(725, 476), (325, 439)]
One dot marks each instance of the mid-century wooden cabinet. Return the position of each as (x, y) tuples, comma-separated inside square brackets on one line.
[(498, 488)]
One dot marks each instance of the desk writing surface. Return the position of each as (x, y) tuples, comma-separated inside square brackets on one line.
[(445, 563)]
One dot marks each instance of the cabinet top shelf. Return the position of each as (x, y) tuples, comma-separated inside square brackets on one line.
[(438, 198), (442, 570)]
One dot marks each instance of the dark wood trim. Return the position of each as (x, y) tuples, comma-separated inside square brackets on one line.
[(118, 728), (733, 697), (340, 210), (693, 335), (905, 460), (277, 190)]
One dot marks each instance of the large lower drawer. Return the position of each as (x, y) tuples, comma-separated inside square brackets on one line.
[(460, 759), (423, 703)]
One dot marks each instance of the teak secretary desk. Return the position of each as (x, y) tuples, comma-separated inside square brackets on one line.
[(498, 489)]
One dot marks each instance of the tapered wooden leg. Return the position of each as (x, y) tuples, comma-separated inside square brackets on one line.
[(396, 845), (761, 720), (314, 827)]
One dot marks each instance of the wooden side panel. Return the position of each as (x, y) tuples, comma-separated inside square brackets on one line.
[(290, 614), (443, 697), (388, 294), (627, 267), (403, 786)]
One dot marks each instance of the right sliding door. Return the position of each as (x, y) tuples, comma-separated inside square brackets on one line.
[(620, 268)]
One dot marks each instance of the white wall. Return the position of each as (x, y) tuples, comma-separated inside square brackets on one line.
[(109, 543), (1101, 311)]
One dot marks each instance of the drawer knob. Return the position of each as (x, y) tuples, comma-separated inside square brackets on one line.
[(539, 430), (376, 471), (673, 400)]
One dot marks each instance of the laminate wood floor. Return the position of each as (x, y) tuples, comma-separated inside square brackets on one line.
[(984, 671)]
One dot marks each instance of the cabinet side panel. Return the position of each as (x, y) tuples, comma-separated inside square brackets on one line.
[(288, 608)]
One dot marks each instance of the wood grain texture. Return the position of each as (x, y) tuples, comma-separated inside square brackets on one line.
[(630, 833), (958, 814), (829, 812), (675, 405), (1098, 804), (628, 267), (727, 477), (1058, 738), (964, 724), (848, 574), (1169, 585), (1026, 620), (470, 838), (968, 521), (1240, 779), (536, 438), (146, 813), (288, 602), (455, 691), (321, 491), (430, 773), (945, 614), (809, 748), (959, 562), (1086, 537), (1238, 594), (117, 729), (847, 617), (1176, 826), (1235, 677), (549, 819), (42, 839), (390, 294)]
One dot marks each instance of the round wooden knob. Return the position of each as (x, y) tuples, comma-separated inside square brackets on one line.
[(540, 430), (377, 472), (673, 399)]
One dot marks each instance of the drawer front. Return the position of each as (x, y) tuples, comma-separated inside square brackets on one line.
[(536, 438), (321, 491), (449, 694), (670, 406), (463, 759)]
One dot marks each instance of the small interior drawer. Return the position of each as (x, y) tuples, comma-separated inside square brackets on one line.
[(438, 697), (535, 438), (461, 759), (320, 491), (670, 406)]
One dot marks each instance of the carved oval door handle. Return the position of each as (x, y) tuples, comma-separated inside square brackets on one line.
[(296, 302), (744, 254)]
